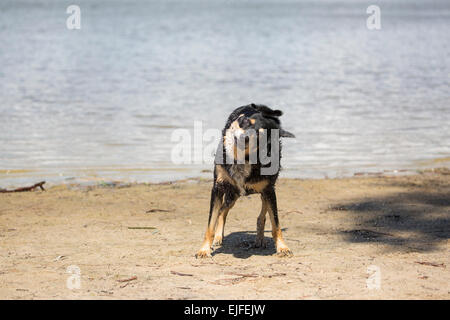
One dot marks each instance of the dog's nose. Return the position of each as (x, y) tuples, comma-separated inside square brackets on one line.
[(244, 123)]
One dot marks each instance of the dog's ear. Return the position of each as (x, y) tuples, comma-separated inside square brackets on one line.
[(275, 113), (266, 111), (286, 134)]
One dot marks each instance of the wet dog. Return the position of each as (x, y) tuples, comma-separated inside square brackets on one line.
[(247, 162)]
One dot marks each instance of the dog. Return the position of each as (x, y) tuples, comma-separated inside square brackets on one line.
[(247, 162)]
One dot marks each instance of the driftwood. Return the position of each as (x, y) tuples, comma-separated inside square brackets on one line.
[(157, 210), (129, 279), (432, 264), (23, 189), (181, 274)]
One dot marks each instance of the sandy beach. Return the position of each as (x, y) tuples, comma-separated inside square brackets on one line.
[(139, 241)]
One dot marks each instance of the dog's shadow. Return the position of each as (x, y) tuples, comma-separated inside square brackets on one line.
[(241, 245)]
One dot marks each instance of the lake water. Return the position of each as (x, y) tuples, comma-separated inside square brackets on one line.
[(102, 102)]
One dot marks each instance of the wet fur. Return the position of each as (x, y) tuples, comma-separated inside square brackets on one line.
[(231, 180)]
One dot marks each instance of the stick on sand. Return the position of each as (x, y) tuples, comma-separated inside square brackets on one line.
[(23, 189)]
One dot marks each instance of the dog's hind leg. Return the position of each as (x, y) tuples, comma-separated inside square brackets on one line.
[(270, 198), (260, 223)]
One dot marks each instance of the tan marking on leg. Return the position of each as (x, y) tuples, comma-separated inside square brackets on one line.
[(205, 250), (223, 213), (258, 186), (282, 248), (218, 237), (260, 226)]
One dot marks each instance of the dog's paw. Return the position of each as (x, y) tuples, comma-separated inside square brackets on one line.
[(203, 253), (260, 243), (217, 241), (284, 252)]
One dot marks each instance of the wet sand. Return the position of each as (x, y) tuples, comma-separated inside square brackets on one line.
[(139, 241)]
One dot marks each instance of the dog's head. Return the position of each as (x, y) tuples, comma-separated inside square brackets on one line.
[(246, 123)]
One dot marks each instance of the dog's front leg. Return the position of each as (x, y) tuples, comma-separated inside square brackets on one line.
[(218, 236), (230, 199), (215, 206), (270, 198)]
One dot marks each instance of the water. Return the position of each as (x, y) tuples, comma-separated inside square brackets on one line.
[(104, 100)]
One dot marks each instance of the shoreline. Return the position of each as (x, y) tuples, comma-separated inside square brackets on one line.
[(338, 229), (16, 178)]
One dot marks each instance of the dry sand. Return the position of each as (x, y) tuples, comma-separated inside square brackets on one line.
[(338, 229)]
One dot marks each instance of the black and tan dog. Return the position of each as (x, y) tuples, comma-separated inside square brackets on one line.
[(247, 161)]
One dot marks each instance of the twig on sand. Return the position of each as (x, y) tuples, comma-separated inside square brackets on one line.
[(278, 274), (157, 210), (295, 211), (127, 281), (244, 275), (23, 189), (232, 281), (431, 264), (144, 228), (124, 285), (228, 281), (60, 258), (182, 274)]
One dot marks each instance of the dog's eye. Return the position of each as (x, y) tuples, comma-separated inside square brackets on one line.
[(243, 122)]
